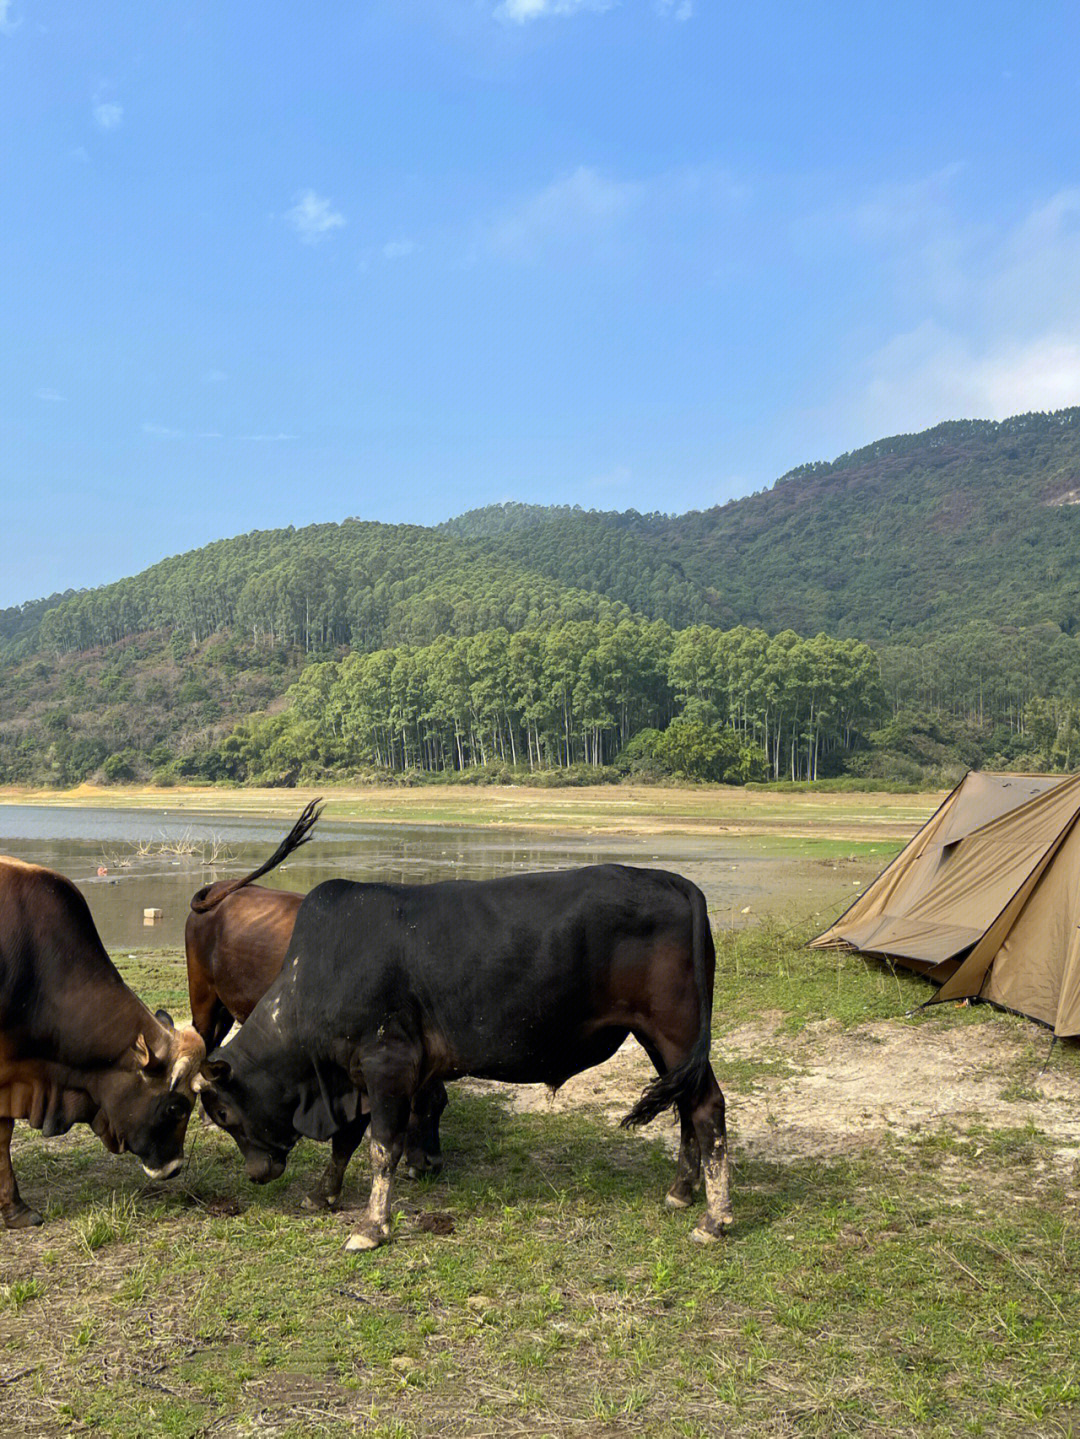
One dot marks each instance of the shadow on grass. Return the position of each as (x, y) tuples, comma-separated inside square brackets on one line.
[(492, 1156)]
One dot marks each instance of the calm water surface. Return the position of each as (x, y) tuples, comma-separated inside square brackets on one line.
[(138, 848)]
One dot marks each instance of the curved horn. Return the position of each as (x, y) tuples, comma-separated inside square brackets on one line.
[(189, 1051)]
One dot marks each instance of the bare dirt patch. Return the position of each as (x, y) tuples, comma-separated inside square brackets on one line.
[(844, 1090)]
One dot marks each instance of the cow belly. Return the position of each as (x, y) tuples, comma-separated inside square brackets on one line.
[(536, 1056), (45, 1106)]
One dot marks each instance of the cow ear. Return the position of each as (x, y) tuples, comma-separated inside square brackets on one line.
[(143, 1058), (164, 1017), (319, 1115), (215, 1071), (312, 1117)]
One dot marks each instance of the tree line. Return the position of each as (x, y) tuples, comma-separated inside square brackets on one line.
[(566, 694)]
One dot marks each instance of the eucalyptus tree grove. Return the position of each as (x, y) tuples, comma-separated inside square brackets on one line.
[(557, 695)]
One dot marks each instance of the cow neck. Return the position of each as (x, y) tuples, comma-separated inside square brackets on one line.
[(112, 1026), (270, 1040)]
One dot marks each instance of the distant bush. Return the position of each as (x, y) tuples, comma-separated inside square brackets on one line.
[(119, 766)]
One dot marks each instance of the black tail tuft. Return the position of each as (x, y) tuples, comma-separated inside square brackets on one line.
[(300, 833), (687, 1080), (684, 1082)]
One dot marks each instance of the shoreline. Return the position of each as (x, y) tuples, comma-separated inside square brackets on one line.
[(706, 811)]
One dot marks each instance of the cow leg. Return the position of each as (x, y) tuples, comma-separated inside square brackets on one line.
[(423, 1151), (688, 1168), (16, 1214), (389, 1121), (209, 1016), (711, 1130), (327, 1192)]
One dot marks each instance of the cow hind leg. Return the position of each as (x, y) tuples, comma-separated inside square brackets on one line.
[(16, 1214), (327, 1193), (711, 1130), (688, 1167), (211, 1019), (423, 1149), (389, 1122)]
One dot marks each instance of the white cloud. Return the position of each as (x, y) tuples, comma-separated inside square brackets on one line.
[(581, 208), (933, 374), (53, 396), (993, 317), (675, 9), (398, 249), (107, 114), (8, 26), (313, 217), (165, 432), (520, 12), (214, 377)]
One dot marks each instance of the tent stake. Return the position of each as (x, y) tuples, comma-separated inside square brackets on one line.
[(920, 1007), (1049, 1055)]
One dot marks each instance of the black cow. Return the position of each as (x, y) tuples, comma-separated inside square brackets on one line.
[(236, 938), (527, 979)]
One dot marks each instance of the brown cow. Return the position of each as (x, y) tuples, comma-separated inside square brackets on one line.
[(235, 939), (76, 1045)]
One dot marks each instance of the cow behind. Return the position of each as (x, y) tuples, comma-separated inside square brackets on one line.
[(76, 1044), (528, 979)]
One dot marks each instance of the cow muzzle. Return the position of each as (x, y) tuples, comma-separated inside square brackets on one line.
[(262, 1168), (167, 1171)]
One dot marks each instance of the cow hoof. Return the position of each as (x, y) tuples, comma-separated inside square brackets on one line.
[(320, 1201), (413, 1171), (434, 1164), (21, 1216), (369, 1238), (676, 1201), (709, 1230)]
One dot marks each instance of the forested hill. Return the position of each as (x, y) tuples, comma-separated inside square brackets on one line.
[(955, 553), (910, 536)]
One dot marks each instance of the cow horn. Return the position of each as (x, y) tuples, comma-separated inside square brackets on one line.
[(188, 1053)]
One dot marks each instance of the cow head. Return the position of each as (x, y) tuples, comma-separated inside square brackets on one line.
[(148, 1097), (248, 1104)]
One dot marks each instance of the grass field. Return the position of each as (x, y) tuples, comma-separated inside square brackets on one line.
[(922, 1281)]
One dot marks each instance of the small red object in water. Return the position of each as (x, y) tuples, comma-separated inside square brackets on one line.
[(102, 870)]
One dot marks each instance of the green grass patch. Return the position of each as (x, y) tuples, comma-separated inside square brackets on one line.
[(854, 1296), (926, 1285)]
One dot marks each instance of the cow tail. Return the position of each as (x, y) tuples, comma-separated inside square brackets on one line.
[(686, 1080), (212, 894)]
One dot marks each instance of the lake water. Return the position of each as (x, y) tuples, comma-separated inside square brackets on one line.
[(157, 859)]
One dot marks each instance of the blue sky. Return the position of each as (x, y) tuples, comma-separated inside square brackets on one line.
[(263, 265)]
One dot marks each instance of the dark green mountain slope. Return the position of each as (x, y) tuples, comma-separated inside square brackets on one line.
[(969, 521)]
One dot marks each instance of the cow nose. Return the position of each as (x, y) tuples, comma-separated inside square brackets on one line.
[(262, 1170), (167, 1171)]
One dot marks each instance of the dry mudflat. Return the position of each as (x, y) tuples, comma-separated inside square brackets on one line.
[(601, 809)]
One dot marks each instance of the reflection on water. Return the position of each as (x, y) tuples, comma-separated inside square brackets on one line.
[(144, 871)]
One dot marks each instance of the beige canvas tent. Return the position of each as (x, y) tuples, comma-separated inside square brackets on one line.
[(985, 899)]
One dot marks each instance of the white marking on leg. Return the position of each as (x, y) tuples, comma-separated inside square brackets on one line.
[(375, 1227)]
